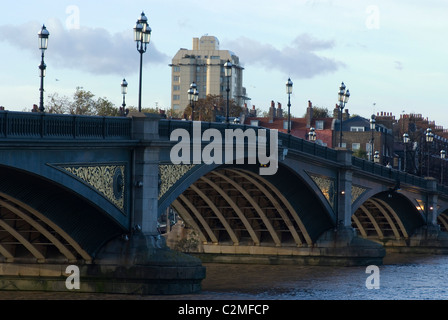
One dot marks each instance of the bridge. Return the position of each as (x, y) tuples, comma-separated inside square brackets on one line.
[(88, 191)]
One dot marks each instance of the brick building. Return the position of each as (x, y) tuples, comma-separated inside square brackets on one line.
[(300, 127)]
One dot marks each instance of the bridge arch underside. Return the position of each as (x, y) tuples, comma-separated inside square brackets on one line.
[(387, 218), (236, 207), (46, 223)]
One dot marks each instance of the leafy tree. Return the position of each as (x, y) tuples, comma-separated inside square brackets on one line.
[(360, 154), (319, 113), (210, 107), (82, 103)]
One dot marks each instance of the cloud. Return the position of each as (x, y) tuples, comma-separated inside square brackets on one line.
[(398, 65), (93, 50), (299, 59)]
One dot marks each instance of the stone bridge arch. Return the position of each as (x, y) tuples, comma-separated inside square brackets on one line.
[(233, 205), (43, 221), (387, 217)]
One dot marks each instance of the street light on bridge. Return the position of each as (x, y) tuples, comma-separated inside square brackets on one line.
[(193, 96), (344, 95), (405, 141), (442, 158), (43, 45), (376, 157), (372, 137), (289, 85), (312, 135), (124, 91), (429, 140), (228, 74), (142, 35)]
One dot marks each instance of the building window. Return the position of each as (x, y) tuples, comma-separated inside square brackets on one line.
[(285, 125), (176, 69), (176, 87), (176, 97), (356, 146), (319, 125), (254, 123), (357, 129), (176, 78), (176, 107)]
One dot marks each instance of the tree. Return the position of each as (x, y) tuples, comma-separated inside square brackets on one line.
[(360, 154), (319, 113), (213, 105), (82, 103)]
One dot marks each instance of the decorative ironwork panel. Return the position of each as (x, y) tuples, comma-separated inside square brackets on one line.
[(357, 192), (107, 179), (326, 186), (170, 174)]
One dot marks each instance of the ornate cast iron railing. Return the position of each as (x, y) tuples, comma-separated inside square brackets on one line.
[(28, 125)]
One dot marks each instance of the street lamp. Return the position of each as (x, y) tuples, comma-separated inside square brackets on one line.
[(429, 139), (442, 157), (405, 141), (376, 157), (372, 138), (124, 91), (289, 85), (193, 96), (228, 73), (43, 45), (344, 95), (142, 35), (312, 135)]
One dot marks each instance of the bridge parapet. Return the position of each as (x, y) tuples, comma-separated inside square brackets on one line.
[(166, 127), (28, 125)]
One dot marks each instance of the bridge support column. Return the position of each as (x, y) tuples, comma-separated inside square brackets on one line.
[(144, 263), (430, 238), (342, 242), (431, 203), (344, 190)]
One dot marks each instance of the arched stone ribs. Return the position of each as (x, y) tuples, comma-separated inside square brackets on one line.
[(238, 207), (26, 235), (377, 220)]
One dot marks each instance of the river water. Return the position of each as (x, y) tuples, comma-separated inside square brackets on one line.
[(401, 277)]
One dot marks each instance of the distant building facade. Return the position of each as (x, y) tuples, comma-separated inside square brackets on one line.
[(204, 65), (300, 127)]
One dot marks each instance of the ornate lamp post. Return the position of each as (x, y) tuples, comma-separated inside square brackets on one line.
[(193, 96), (312, 135), (124, 91), (405, 141), (142, 35), (228, 73), (372, 137), (289, 85), (344, 95), (429, 140), (43, 45), (442, 158), (376, 157)]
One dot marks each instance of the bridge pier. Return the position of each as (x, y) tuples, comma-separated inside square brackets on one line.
[(145, 258), (428, 238), (342, 243)]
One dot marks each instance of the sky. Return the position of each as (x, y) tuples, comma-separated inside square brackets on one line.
[(392, 55)]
